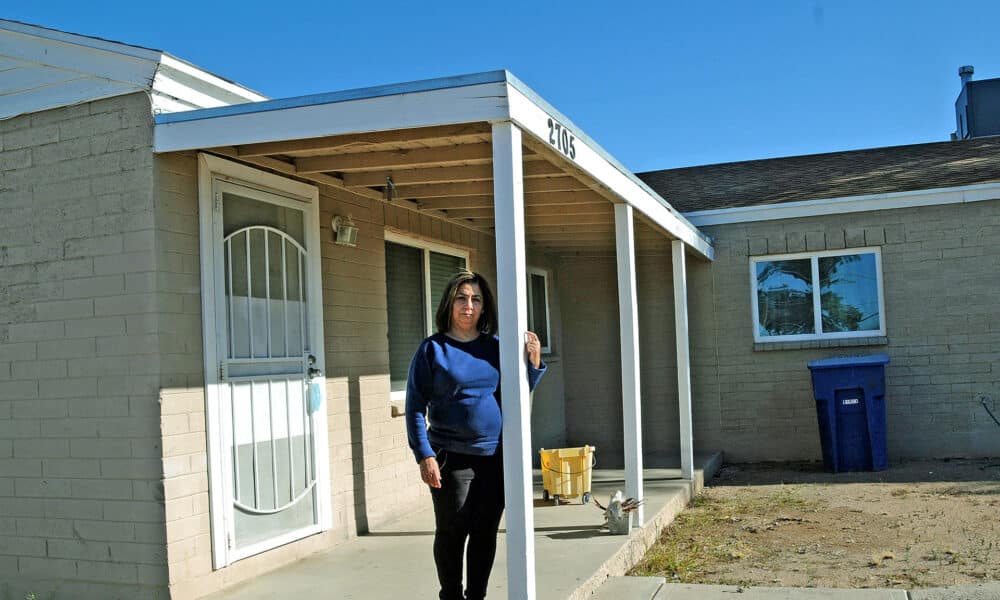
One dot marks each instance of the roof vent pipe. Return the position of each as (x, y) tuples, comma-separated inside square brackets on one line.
[(965, 72)]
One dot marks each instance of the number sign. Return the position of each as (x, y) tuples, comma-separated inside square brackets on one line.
[(561, 138)]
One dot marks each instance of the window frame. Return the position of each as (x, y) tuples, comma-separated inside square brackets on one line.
[(816, 293), (430, 305), (544, 274)]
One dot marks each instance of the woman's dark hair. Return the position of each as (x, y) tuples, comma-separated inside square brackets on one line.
[(487, 320)]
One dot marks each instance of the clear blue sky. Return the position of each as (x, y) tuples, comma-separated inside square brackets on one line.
[(658, 84)]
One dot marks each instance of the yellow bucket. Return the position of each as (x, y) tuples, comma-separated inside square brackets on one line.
[(566, 473)]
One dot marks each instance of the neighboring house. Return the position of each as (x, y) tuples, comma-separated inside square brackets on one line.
[(206, 315)]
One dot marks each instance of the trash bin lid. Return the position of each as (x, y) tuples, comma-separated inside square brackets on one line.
[(849, 361)]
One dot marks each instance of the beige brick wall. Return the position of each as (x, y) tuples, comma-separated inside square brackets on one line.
[(374, 478), (81, 507), (941, 283), (589, 301)]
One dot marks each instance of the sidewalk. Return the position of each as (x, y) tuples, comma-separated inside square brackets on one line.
[(655, 588)]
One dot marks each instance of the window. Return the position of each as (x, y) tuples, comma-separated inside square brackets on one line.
[(538, 306), (820, 295), (416, 273)]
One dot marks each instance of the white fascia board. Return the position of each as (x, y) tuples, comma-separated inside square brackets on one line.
[(164, 84), (165, 103), (846, 204), (533, 114), (100, 60), (224, 92), (81, 40), (404, 106)]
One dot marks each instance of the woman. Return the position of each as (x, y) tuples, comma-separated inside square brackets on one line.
[(454, 383)]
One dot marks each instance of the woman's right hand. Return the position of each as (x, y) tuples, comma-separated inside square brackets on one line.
[(429, 472)]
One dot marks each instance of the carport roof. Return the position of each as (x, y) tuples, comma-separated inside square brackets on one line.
[(428, 143)]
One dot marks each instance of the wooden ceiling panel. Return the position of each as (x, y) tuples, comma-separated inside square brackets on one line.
[(417, 176), (364, 142), (369, 161), (447, 172)]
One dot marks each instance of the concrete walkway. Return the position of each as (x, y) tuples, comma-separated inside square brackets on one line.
[(573, 555), (656, 588)]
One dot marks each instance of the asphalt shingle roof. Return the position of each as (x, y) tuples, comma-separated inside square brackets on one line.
[(833, 175)]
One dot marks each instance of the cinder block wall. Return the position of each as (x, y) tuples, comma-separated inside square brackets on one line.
[(940, 267), (81, 501), (374, 478), (589, 293)]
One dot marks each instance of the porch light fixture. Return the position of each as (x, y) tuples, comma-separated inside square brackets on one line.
[(390, 189), (345, 233)]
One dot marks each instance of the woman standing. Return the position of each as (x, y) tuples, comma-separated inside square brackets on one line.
[(454, 384)]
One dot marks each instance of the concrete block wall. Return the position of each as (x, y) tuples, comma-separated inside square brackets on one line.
[(81, 500), (374, 478), (755, 402), (589, 301), (940, 267)]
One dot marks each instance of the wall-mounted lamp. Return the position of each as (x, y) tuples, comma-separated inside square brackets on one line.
[(390, 189), (345, 233)]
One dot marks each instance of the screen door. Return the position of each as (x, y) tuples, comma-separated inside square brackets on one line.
[(270, 377)]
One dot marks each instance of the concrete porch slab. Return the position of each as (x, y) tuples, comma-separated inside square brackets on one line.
[(573, 555)]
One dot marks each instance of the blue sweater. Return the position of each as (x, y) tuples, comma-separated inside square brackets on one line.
[(456, 386)]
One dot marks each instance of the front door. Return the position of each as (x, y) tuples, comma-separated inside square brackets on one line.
[(269, 409)]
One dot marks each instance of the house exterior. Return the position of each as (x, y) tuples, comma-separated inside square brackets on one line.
[(200, 360), (928, 213)]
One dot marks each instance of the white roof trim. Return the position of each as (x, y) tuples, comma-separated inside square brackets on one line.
[(421, 104), (495, 96), (529, 112), (846, 204), (95, 69), (209, 80), (81, 40)]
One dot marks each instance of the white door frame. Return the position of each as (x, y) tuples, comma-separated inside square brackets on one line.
[(301, 195)]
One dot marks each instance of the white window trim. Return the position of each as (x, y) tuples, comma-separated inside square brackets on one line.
[(430, 307), (544, 274), (817, 313)]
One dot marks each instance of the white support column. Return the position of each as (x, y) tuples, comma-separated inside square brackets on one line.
[(683, 360), (628, 315), (508, 202)]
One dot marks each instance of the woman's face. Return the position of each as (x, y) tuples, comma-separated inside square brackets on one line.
[(467, 308)]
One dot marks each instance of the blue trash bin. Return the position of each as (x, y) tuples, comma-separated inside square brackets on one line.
[(850, 405)]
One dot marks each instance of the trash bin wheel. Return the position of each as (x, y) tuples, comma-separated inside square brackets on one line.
[(586, 497), (545, 495)]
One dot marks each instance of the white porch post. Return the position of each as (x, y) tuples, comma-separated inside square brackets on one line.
[(683, 360), (628, 316), (508, 202)]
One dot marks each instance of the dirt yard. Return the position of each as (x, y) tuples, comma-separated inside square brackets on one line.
[(917, 524)]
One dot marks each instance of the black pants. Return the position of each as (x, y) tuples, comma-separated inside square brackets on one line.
[(467, 506)]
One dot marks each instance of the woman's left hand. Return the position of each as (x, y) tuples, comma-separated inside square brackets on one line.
[(533, 348)]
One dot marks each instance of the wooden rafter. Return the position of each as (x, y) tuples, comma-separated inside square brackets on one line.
[(289, 169), (456, 203), (362, 141), (369, 161), (417, 176), (484, 188)]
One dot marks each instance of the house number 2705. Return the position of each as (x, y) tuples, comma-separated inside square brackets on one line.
[(562, 139)]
